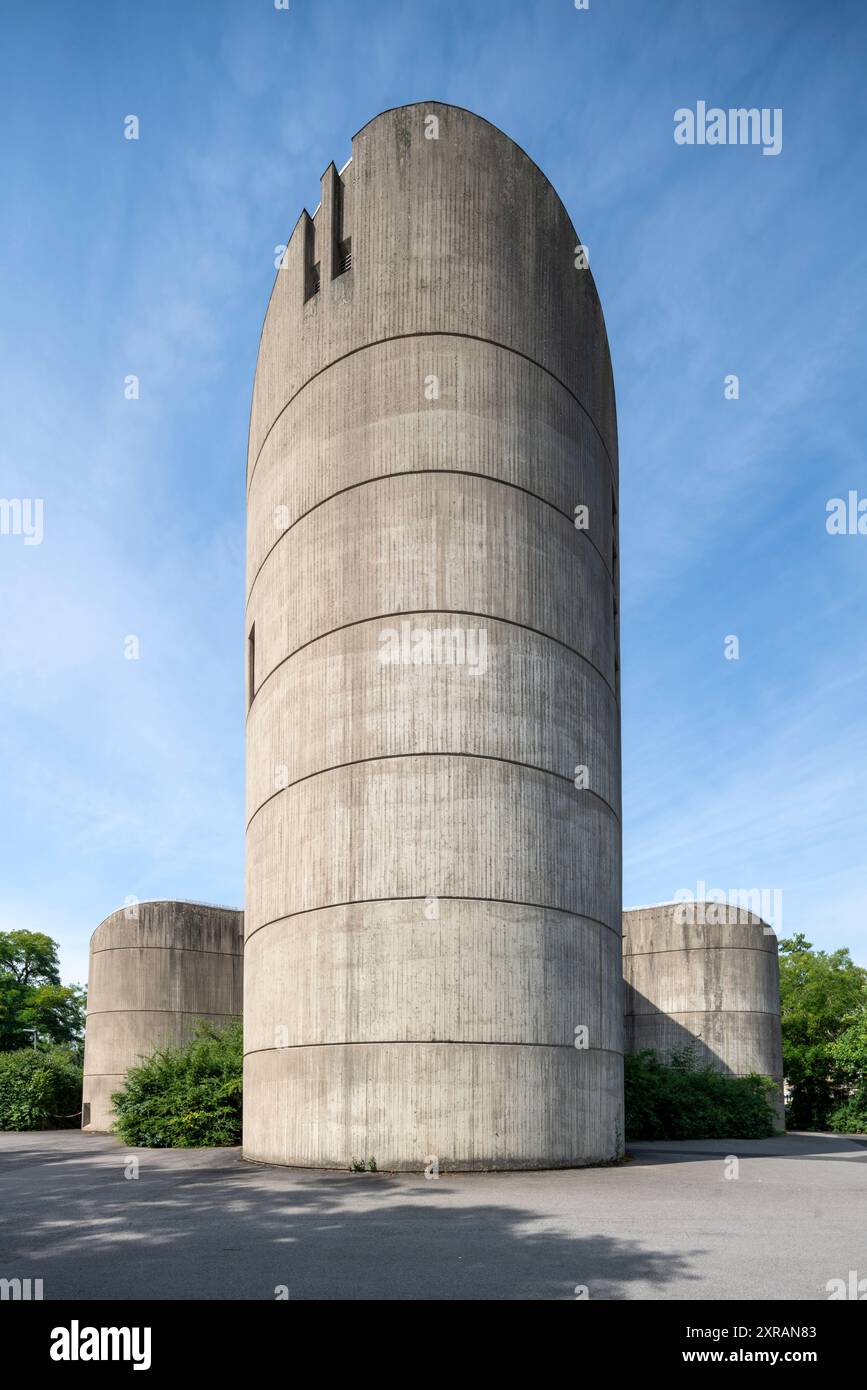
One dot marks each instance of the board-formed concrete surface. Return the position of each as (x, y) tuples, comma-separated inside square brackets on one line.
[(432, 905), (204, 1224), (705, 975), (156, 969)]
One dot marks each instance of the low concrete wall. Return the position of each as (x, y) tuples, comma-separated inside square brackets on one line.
[(713, 980), (155, 970)]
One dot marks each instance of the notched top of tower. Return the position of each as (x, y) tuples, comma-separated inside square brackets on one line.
[(438, 224)]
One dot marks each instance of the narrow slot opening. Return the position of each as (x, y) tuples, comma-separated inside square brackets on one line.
[(311, 265)]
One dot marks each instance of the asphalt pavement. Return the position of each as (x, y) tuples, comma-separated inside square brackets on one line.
[(93, 1219)]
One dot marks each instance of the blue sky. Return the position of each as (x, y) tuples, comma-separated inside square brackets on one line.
[(156, 257)]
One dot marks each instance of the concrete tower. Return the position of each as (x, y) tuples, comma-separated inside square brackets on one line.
[(705, 974), (155, 970), (432, 953)]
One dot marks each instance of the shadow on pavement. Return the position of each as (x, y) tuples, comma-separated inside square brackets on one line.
[(203, 1224)]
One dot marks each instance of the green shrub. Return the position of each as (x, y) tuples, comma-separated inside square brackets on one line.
[(850, 1117), (39, 1090), (682, 1100), (185, 1097)]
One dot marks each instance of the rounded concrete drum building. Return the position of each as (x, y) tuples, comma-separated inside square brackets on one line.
[(432, 953), (705, 975), (156, 968)]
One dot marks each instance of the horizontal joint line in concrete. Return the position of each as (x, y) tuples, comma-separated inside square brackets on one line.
[(192, 950), (679, 950), (425, 472), (430, 612), (774, 1076), (713, 1013), (194, 1013), (432, 333), (441, 897), (430, 1042), (444, 753)]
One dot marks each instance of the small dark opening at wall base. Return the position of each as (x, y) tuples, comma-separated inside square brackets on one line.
[(85, 1114)]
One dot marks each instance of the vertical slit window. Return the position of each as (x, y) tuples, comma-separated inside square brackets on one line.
[(251, 666), (337, 227), (311, 265)]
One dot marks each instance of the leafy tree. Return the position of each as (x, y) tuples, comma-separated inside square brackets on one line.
[(56, 1012), (185, 1097), (823, 994), (30, 957), (32, 996), (850, 1057)]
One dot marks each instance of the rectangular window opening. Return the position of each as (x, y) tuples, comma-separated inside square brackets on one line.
[(344, 256), (311, 264)]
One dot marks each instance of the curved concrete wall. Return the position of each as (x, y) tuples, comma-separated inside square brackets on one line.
[(433, 908), (713, 980), (155, 970)]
